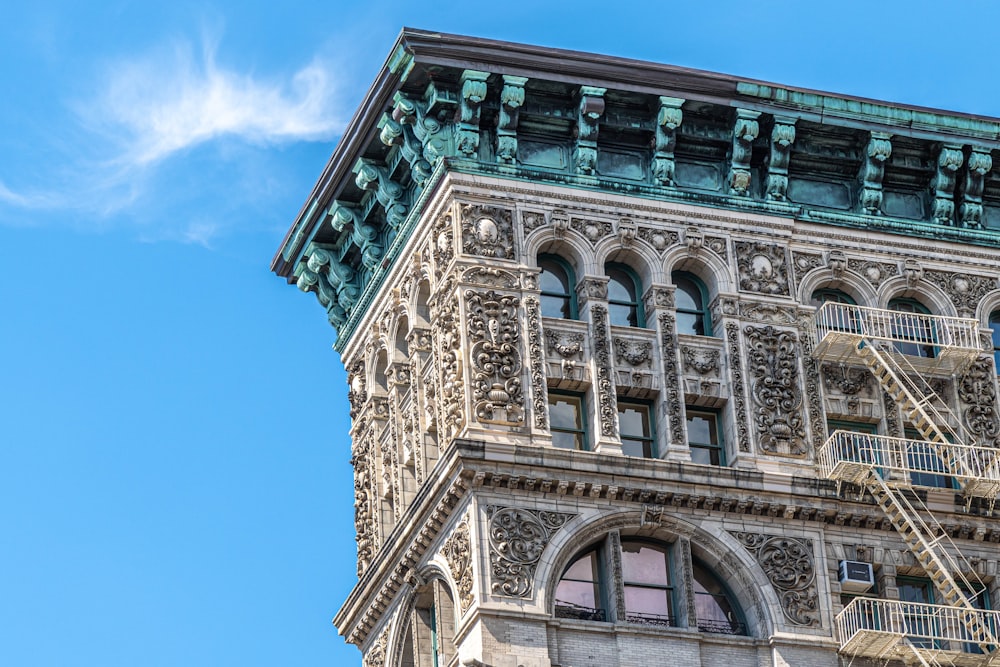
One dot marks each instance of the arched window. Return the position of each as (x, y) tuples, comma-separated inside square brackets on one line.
[(557, 284), (914, 334), (995, 328), (827, 295), (835, 318), (624, 296), (714, 606), (647, 590), (691, 298)]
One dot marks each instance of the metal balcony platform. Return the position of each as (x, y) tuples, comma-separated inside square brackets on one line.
[(894, 629), (849, 457), (929, 344)]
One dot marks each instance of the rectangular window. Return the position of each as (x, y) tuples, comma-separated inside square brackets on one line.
[(920, 622), (638, 432), (705, 437), (566, 417)]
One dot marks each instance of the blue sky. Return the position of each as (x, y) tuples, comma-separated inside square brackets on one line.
[(174, 477)]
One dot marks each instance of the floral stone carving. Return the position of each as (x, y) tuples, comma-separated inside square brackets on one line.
[(495, 355), (377, 653), (976, 390), (789, 565), (517, 538), (632, 352), (773, 361), (964, 290), (487, 231), (739, 396), (539, 391), (762, 267), (607, 408), (668, 345), (457, 551), (700, 361)]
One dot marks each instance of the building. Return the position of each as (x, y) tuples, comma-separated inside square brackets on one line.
[(656, 366)]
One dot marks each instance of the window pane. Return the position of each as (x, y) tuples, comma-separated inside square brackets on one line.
[(620, 286), (705, 456), (622, 315), (640, 448), (577, 594), (690, 323), (555, 306), (687, 296), (644, 565), (564, 413), (652, 601), (633, 420), (553, 280), (567, 440), (702, 430)]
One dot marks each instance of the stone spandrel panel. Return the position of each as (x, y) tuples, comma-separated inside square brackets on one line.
[(457, 552), (776, 390), (517, 537), (790, 567)]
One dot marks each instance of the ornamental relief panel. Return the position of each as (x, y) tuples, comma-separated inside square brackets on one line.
[(517, 537), (491, 277), (378, 650), (536, 363), (592, 230), (606, 405), (850, 391), (875, 273), (443, 248), (790, 566), (701, 365), (762, 267), (495, 356), (634, 361), (768, 313), (672, 406), (804, 262), (487, 231), (450, 394), (772, 357), (739, 391), (977, 391), (564, 353), (365, 528), (457, 551), (964, 290)]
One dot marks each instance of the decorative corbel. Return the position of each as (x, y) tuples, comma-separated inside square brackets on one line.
[(668, 119), (836, 261), (949, 160), (511, 100), (473, 94), (428, 130), (626, 231), (913, 271), (394, 133), (971, 210), (694, 239), (590, 110), (878, 151), (559, 221), (389, 193), (745, 131), (782, 137), (365, 236)]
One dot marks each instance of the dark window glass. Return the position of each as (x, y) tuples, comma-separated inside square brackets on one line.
[(837, 319), (691, 300), (995, 328), (913, 333), (704, 437), (556, 282), (624, 293), (927, 468), (578, 594), (821, 296), (566, 419), (647, 588), (713, 605), (636, 427), (917, 619)]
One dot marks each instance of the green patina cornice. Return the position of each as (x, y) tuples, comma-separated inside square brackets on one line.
[(830, 106), (722, 143)]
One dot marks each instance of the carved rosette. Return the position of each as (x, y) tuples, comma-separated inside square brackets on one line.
[(739, 393), (495, 356), (668, 344), (773, 360), (457, 550), (592, 230), (536, 360), (517, 538), (789, 565), (607, 407), (804, 262), (658, 238), (762, 267), (875, 273), (977, 391), (487, 231)]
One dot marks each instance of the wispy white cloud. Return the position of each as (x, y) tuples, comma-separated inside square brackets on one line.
[(181, 97)]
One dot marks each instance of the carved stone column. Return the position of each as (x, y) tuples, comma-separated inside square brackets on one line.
[(726, 322), (671, 440), (592, 297)]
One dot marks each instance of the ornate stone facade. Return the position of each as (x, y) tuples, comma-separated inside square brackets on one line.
[(518, 448)]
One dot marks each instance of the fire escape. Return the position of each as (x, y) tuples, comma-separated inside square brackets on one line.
[(901, 350)]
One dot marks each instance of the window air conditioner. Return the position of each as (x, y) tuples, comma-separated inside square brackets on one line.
[(856, 577)]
